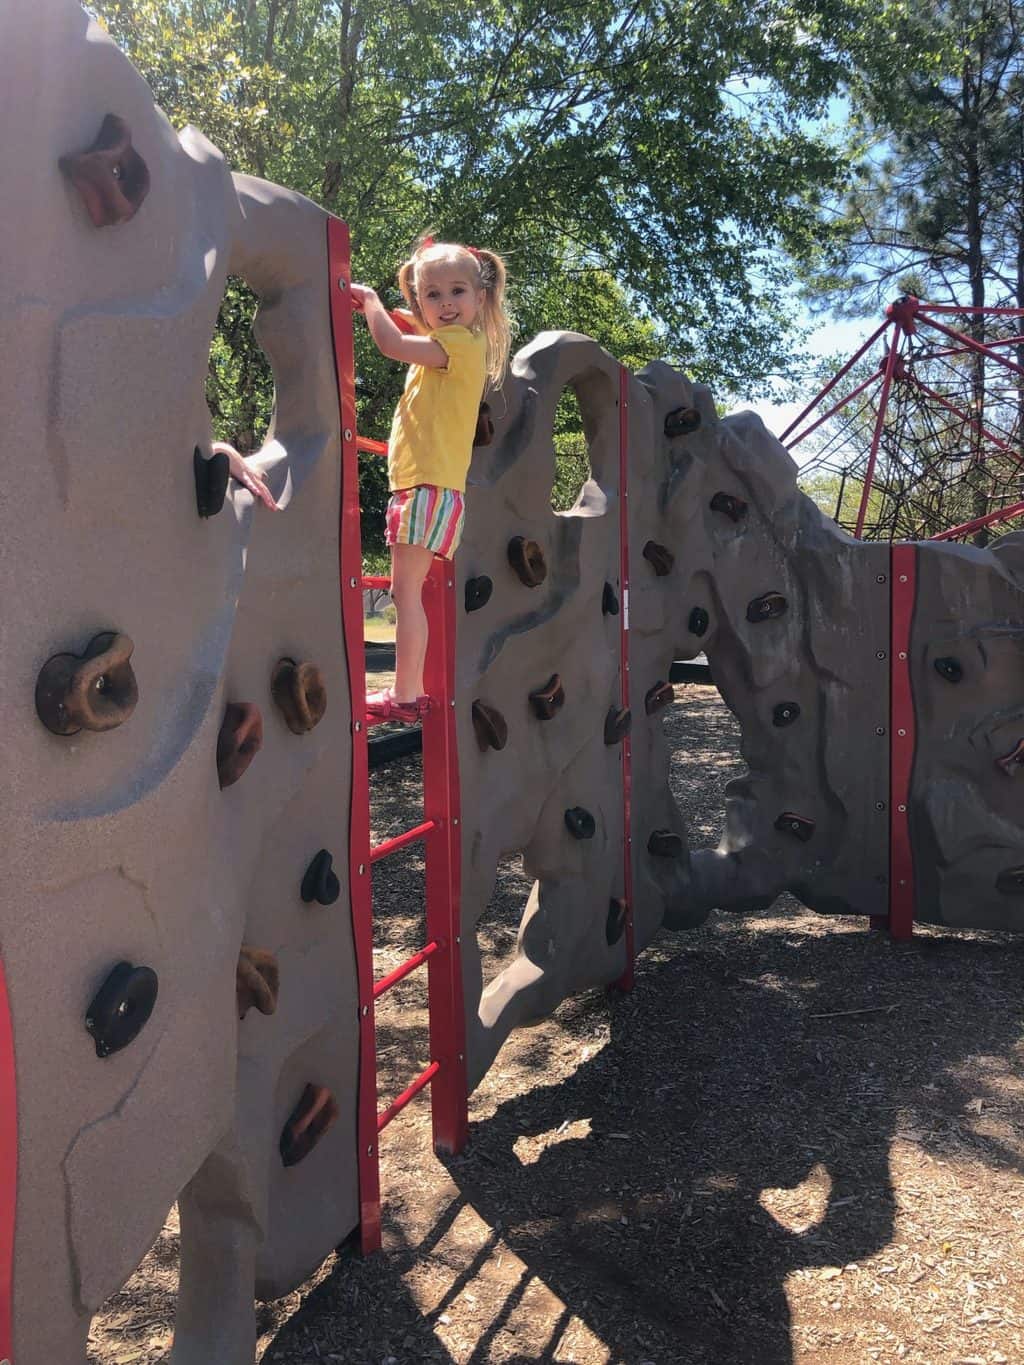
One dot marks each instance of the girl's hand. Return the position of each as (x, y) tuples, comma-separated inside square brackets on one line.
[(361, 294), (253, 481)]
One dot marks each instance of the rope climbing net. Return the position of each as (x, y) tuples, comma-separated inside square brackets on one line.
[(926, 439)]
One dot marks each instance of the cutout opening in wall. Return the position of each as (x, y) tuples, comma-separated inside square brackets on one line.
[(239, 382), (497, 929), (572, 452), (703, 737)]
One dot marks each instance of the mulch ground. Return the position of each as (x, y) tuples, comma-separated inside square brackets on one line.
[(794, 1141)]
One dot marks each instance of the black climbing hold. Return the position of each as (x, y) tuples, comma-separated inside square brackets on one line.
[(785, 713), (615, 924), (681, 422), (211, 481), (1011, 881), (950, 669), (580, 823), (311, 1118), (484, 434), (617, 724), (732, 507), (798, 825), (767, 608), (489, 726), (548, 700), (658, 697), (478, 592), (320, 883), (121, 1007), (659, 557), (95, 690), (527, 559), (609, 602), (665, 843), (110, 176), (698, 622)]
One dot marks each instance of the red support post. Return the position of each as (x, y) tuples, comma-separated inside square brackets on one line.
[(1002, 514), (8, 1171), (831, 385), (903, 581), (883, 407), (625, 981)]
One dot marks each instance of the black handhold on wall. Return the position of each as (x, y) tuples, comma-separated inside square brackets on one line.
[(615, 922), (257, 981), (658, 697), (120, 1008), (950, 669), (617, 724), (110, 176), (660, 558), (319, 882), (95, 690), (698, 622), (527, 560), (478, 592), (730, 506), (315, 1113), (300, 691), (580, 823), (609, 602), (548, 700), (785, 713), (489, 726), (665, 843), (239, 741), (768, 607), (800, 826), (211, 477), (681, 422)]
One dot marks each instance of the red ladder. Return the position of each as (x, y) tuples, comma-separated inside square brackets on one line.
[(439, 830)]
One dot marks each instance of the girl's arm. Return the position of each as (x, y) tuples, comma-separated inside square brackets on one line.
[(411, 350), (250, 479)]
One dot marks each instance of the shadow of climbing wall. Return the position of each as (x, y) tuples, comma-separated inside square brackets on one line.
[(174, 936)]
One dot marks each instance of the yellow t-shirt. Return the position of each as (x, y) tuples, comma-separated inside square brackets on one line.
[(435, 421)]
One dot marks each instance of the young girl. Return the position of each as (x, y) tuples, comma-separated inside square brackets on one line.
[(456, 296)]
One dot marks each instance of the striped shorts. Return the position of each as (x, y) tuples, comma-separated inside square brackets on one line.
[(427, 516)]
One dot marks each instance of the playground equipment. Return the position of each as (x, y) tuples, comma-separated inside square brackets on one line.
[(186, 997)]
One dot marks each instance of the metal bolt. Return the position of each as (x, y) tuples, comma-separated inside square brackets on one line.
[(348, 433), (903, 577), (461, 1057), (902, 734), (902, 882), (452, 702), (456, 820), (358, 726), (351, 582), (880, 578), (902, 810), (342, 284), (451, 583), (880, 654), (362, 869), (365, 1011), (880, 730), (369, 1151), (903, 654), (458, 938), (879, 805)]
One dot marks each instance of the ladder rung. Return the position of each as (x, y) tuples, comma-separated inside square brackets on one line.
[(370, 446), (400, 840), (376, 580), (397, 1105), (409, 965)]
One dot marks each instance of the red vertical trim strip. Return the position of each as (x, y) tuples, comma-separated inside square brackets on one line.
[(625, 981), (351, 568), (903, 579), (8, 1171), (441, 803)]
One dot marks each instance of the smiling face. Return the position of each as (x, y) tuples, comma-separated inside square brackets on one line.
[(448, 294)]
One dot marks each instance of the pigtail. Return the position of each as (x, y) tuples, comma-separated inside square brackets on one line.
[(495, 322), (407, 284)]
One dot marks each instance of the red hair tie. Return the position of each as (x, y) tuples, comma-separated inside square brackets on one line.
[(473, 252)]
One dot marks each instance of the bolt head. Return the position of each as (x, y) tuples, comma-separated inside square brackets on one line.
[(902, 734), (902, 810), (342, 282), (348, 433), (880, 578), (903, 577), (903, 654), (365, 1011), (362, 869), (879, 729), (880, 654)]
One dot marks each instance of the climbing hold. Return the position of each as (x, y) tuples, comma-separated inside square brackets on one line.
[(617, 724), (111, 176), (950, 669), (698, 622), (484, 434), (320, 883), (660, 558), (314, 1114), (733, 508), (785, 713), (798, 825), (211, 481), (549, 699), (1011, 762), (301, 694), (615, 924), (527, 559), (1011, 881), (120, 1008), (95, 690), (665, 843), (257, 981), (609, 602), (580, 823), (478, 592), (239, 741), (489, 726), (681, 422), (766, 608), (658, 697)]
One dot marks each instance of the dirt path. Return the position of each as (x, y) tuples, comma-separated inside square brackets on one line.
[(794, 1141)]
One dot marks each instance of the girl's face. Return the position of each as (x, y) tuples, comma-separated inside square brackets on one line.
[(447, 295)]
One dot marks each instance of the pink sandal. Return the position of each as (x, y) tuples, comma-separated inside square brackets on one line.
[(383, 706)]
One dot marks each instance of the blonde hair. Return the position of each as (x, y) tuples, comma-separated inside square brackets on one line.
[(487, 270)]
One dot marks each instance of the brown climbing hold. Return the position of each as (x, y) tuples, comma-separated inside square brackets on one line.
[(681, 422), (311, 1118), (484, 434), (615, 924), (111, 176), (1011, 762), (798, 825), (658, 697), (239, 741), (617, 724), (767, 608), (527, 559), (548, 700), (95, 690), (609, 602), (211, 477), (659, 557), (665, 843), (257, 981), (732, 507), (300, 692), (489, 726)]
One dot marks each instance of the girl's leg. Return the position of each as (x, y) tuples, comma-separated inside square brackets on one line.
[(410, 565)]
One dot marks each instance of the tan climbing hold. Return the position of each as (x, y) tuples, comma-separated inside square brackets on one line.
[(239, 741), (95, 690), (527, 559), (257, 981), (300, 691)]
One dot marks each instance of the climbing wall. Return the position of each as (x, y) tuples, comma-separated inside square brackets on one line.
[(174, 937)]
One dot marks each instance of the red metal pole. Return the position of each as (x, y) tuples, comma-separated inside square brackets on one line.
[(1003, 514), (8, 1171), (398, 1104), (883, 406), (350, 558), (975, 422), (625, 981), (389, 846), (408, 966), (971, 345), (837, 408), (903, 580), (832, 383)]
